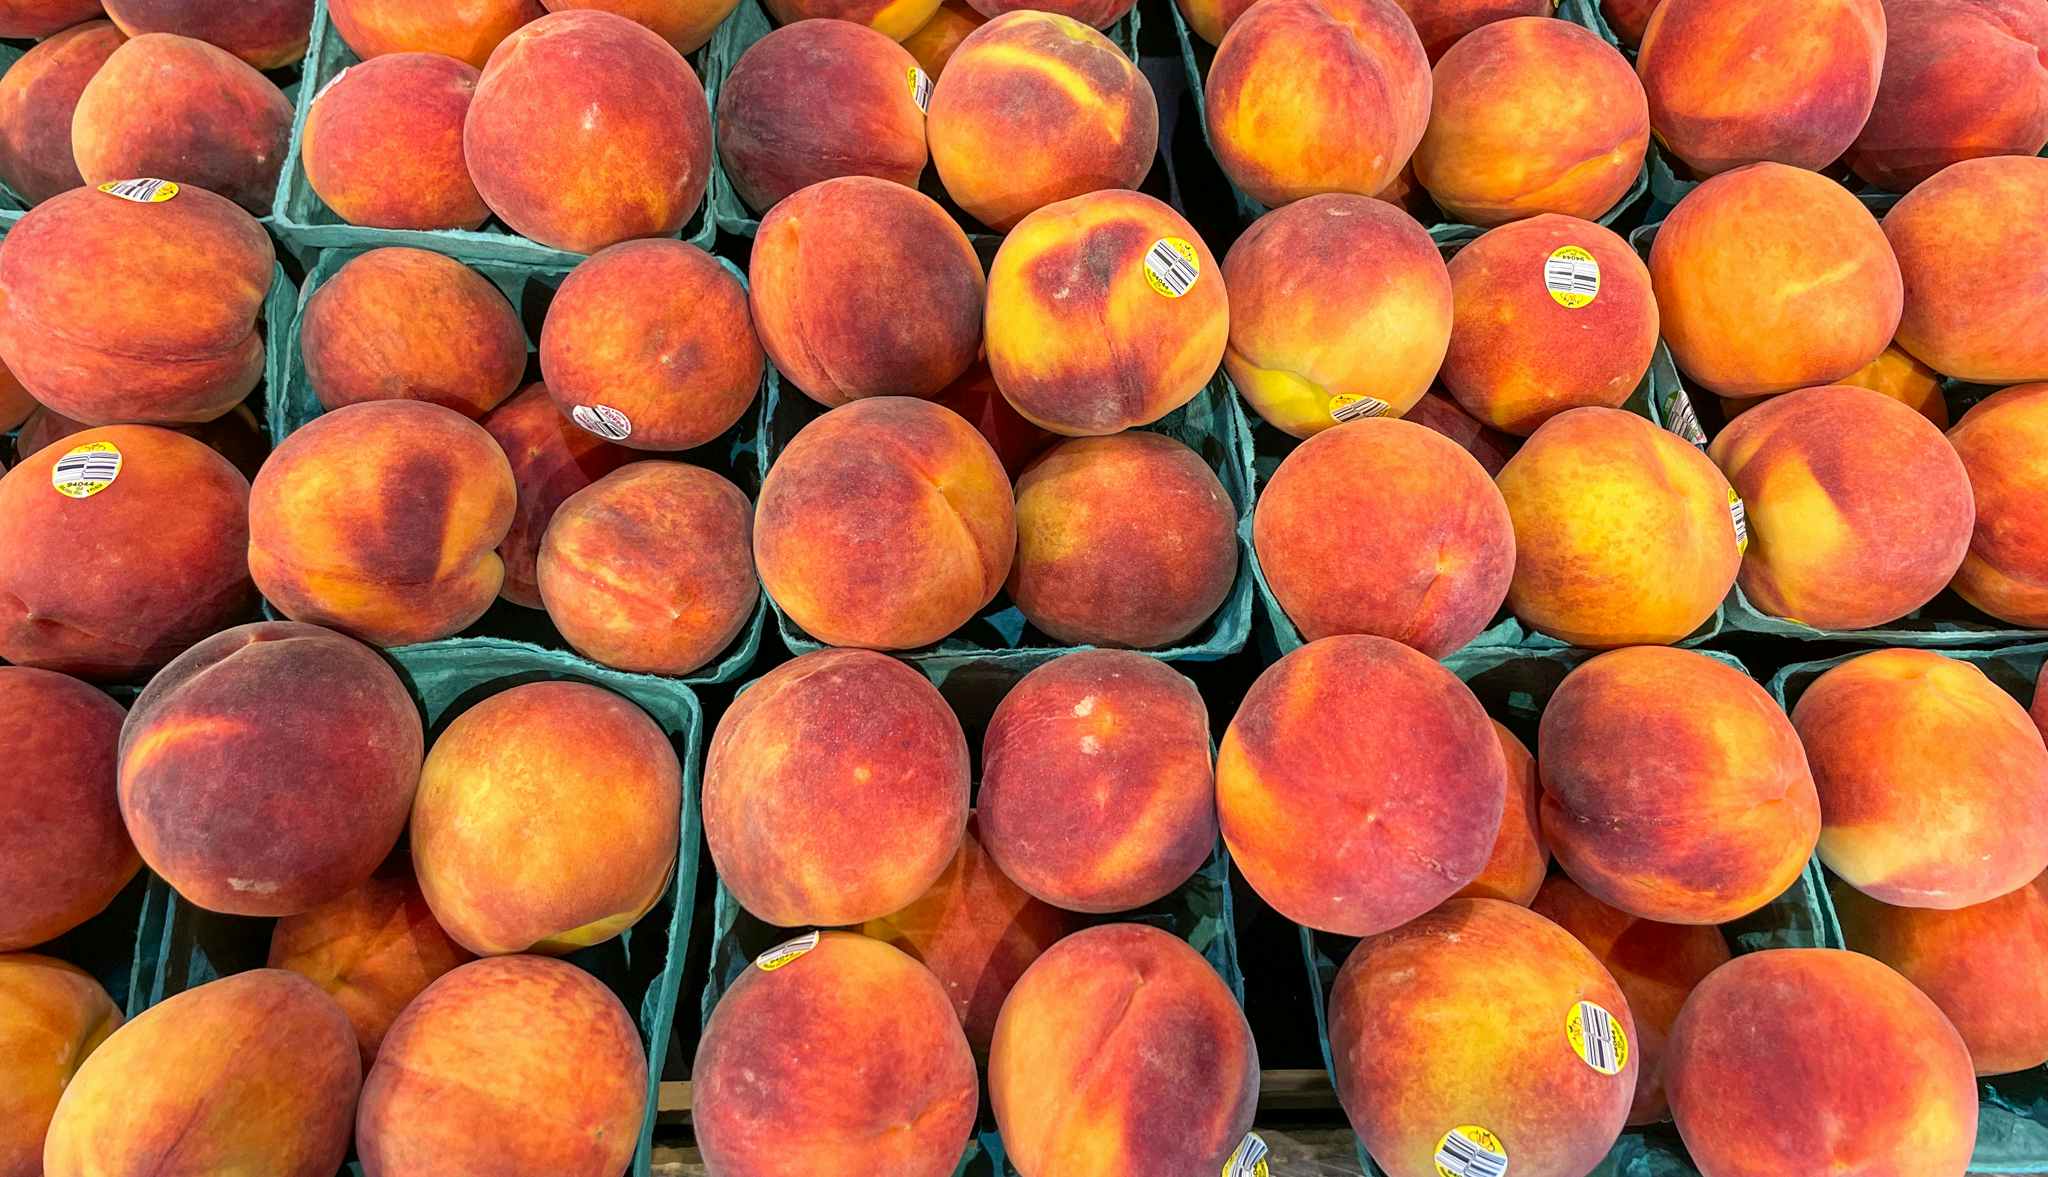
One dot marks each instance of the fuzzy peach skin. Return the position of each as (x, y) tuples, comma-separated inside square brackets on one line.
[(1520, 856), (1121, 1051), (977, 932), (1038, 108), (1081, 340), (37, 96), (1357, 829), (1771, 278), (1100, 566), (587, 130), (1859, 512), (64, 853), (52, 1017), (546, 819), (1310, 96), (835, 790), (1459, 1019), (1758, 1084), (467, 30), (1674, 787), (1427, 564), (1931, 780), (2003, 442), (1622, 531), (1526, 342), (381, 520), (896, 19), (268, 34), (1098, 13), (1962, 79), (522, 1066), (1490, 446), (785, 1081), (1899, 376), (257, 1069), (685, 24), (1097, 790), (238, 436), (1656, 965), (1440, 23), (1973, 255), (658, 333), (166, 537), (40, 18), (1308, 339), (382, 145), (115, 311), (373, 950), (1210, 19), (886, 523), (1628, 19), (410, 324), (934, 44), (1734, 82), (551, 459)]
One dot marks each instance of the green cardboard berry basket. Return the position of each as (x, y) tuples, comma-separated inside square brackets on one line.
[(1514, 685), (530, 289), (643, 965), (2012, 1116)]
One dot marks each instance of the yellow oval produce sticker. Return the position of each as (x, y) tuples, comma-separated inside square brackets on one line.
[(1471, 1151), (1571, 276), (1248, 1159), (1597, 1037), (141, 191), (920, 87), (1740, 515), (1172, 266), (786, 953), (86, 470), (1350, 406)]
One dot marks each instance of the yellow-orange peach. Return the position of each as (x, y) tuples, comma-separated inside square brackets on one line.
[(551, 458), (1310, 344), (40, 18), (1899, 376), (52, 1017), (1490, 446), (1623, 534), (685, 24), (238, 436), (896, 19), (1210, 19), (410, 324), (1972, 254), (1099, 13), (1628, 19), (64, 853), (2003, 443), (935, 42), (1962, 79), (1520, 856), (268, 34), (468, 31), (37, 96), (1440, 23), (382, 144)]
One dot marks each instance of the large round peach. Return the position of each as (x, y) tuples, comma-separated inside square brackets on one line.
[(934, 44), (1210, 19), (467, 31), (38, 94), (1490, 446), (52, 1017), (1962, 79), (1967, 282), (382, 144), (551, 459), (1420, 792), (1310, 344), (268, 34), (895, 19), (1772, 277), (1858, 510), (1427, 564), (887, 522), (64, 853), (685, 24), (1899, 376), (1100, 566), (1520, 856), (410, 324), (40, 18), (1441, 23), (2003, 443)]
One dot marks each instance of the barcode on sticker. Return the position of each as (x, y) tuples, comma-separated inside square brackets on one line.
[(1352, 406), (1572, 276), (1681, 419), (86, 470), (1248, 1159), (920, 88), (1171, 266), (1471, 1151), (141, 191), (603, 420), (786, 952), (1739, 515), (1596, 1038)]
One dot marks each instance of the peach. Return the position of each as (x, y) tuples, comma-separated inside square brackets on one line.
[(114, 309), (52, 1017), (1016, 441), (1628, 19), (935, 42), (546, 819), (1962, 79), (1931, 780), (381, 520), (835, 790), (551, 459), (238, 436), (40, 18), (268, 34), (977, 932), (1426, 564), (1419, 792), (1859, 512), (1105, 312), (1623, 531), (37, 96), (1490, 446), (164, 520), (382, 145), (1482, 1030), (887, 522), (685, 24), (586, 130), (1523, 351), (2003, 444), (17, 406), (1100, 566), (1899, 376), (1771, 278), (1971, 254), (650, 344), (467, 31), (785, 1080), (64, 853), (256, 1068), (1310, 344), (1099, 13), (1210, 19), (815, 100), (1311, 96), (827, 270), (408, 324), (524, 1066), (372, 949), (1121, 1051), (1440, 23), (1097, 791), (1520, 856), (895, 19), (1046, 80), (1753, 1070)]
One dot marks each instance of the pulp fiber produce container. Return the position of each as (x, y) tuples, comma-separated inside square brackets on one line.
[(531, 289), (2012, 1117), (1515, 685), (305, 221), (643, 965)]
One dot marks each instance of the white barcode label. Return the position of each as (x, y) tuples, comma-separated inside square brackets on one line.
[(920, 87), (786, 952), (1739, 515), (86, 470), (603, 420), (1172, 266), (1471, 1151), (1351, 406), (1597, 1038), (1248, 1159), (1680, 418), (1572, 277), (141, 191)]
